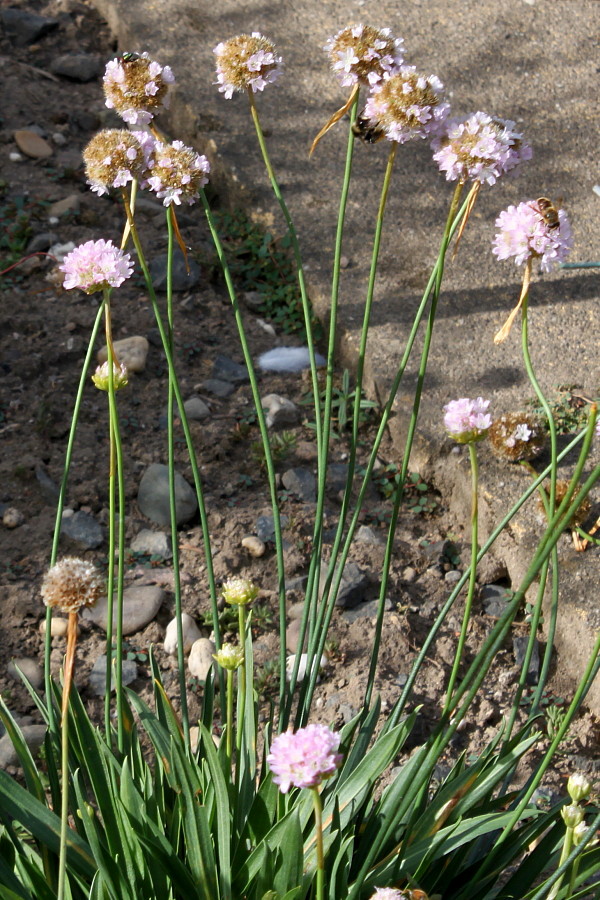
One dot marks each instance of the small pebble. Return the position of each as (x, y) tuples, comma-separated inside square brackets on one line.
[(58, 626), (253, 545), (12, 517), (201, 659), (131, 352), (15, 157), (32, 145)]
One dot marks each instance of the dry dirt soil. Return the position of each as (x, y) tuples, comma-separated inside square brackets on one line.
[(44, 332)]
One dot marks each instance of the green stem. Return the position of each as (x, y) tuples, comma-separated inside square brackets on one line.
[(242, 675), (264, 434), (434, 288), (319, 838), (186, 431), (60, 506), (565, 852), (229, 714), (309, 616), (472, 573), (172, 505), (68, 670)]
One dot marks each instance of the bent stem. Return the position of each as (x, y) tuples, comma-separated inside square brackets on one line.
[(472, 574), (69, 667)]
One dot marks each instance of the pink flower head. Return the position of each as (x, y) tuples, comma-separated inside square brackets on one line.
[(388, 893), (597, 429), (137, 87), (246, 61), (360, 53), (407, 105), (177, 173), (305, 757), (466, 420), (533, 230), (479, 148), (96, 265)]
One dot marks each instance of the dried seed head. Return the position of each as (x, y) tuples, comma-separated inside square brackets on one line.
[(120, 376), (360, 53), (71, 584), (177, 173), (583, 510), (407, 105), (517, 436), (246, 61), (113, 158), (137, 87)]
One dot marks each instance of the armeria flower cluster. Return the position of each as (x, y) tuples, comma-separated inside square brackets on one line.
[(114, 157), (177, 173), (532, 230), (137, 87), (479, 148), (407, 105), (360, 53), (304, 758), (467, 421), (96, 266), (248, 61)]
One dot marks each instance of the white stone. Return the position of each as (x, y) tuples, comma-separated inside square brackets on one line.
[(253, 545), (131, 352), (279, 411), (291, 662), (191, 633), (201, 659), (12, 517), (34, 738), (58, 626)]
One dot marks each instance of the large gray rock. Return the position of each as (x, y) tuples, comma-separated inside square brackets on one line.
[(34, 738), (141, 602), (153, 496), (82, 528)]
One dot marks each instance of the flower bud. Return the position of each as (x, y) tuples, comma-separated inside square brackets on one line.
[(229, 657), (572, 815), (239, 591), (579, 787), (517, 436), (100, 377)]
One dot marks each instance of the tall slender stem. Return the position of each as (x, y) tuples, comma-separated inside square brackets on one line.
[(68, 670), (242, 674), (172, 505), (472, 573), (229, 720), (319, 839)]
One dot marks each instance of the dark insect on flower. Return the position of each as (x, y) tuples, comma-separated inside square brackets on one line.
[(129, 56), (547, 212), (366, 130)]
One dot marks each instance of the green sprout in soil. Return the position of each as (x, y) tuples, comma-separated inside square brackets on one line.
[(282, 444), (260, 262), (569, 409), (342, 407)]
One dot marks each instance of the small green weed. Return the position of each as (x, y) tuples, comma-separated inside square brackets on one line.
[(15, 230), (282, 443), (342, 406), (569, 409), (260, 262), (419, 495)]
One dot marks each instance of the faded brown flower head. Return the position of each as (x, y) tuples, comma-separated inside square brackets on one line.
[(361, 53), (137, 87), (71, 584), (517, 436), (246, 61), (583, 510), (113, 158)]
